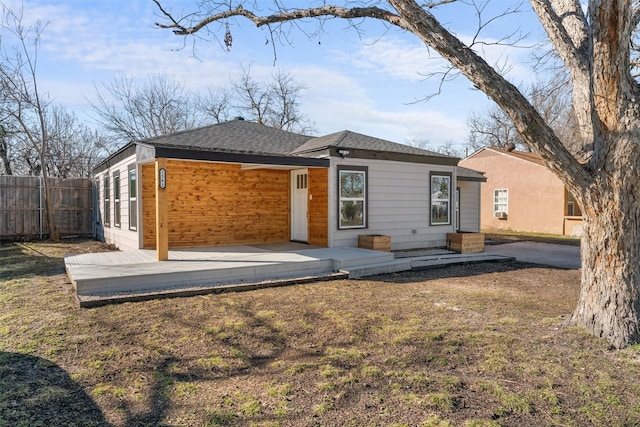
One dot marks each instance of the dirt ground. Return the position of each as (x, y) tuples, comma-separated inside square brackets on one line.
[(475, 345)]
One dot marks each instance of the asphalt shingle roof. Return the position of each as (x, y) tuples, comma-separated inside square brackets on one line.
[(470, 174), (240, 136), (349, 139), (236, 136)]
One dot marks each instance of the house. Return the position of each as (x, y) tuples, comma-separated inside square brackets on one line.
[(239, 182), (521, 194)]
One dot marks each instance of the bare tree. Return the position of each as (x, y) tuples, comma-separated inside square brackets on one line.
[(492, 128), (215, 105), (253, 101), (274, 102), (448, 148), (551, 98), (24, 106), (600, 169), (73, 147), (5, 152), (285, 106), (159, 106)]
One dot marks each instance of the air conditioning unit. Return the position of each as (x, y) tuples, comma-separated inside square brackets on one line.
[(500, 215)]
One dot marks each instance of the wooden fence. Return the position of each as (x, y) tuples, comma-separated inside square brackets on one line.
[(23, 214)]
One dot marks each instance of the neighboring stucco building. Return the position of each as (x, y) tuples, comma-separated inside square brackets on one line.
[(521, 194), (240, 182)]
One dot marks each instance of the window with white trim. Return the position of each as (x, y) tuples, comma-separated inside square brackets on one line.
[(440, 199), (116, 199), (352, 197), (133, 199), (96, 201), (500, 201), (107, 201)]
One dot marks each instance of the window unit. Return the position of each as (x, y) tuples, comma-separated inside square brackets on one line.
[(500, 203), (133, 199), (107, 202), (440, 198), (116, 199), (352, 197)]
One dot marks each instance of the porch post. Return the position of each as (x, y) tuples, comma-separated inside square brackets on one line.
[(162, 232)]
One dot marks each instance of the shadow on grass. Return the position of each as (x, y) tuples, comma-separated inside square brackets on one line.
[(35, 391), (17, 262), (456, 271)]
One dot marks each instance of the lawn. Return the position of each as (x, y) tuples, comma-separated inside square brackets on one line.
[(476, 345)]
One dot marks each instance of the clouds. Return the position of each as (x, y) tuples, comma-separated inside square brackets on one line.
[(398, 58), (365, 85)]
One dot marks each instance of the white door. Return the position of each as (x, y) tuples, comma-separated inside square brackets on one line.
[(299, 195)]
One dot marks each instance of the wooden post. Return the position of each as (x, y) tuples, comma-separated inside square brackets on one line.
[(162, 231)]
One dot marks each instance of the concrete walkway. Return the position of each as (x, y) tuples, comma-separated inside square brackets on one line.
[(562, 256)]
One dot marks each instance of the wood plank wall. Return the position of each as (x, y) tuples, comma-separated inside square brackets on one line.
[(213, 204), (20, 207), (318, 207)]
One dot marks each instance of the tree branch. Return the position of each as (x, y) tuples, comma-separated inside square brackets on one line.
[(316, 12), (567, 29)]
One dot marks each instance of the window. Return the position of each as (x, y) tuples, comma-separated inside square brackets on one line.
[(352, 197), (116, 199), (302, 181), (96, 201), (440, 199), (107, 201), (133, 200), (500, 202), (572, 206)]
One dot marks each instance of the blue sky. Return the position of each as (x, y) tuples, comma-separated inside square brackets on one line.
[(366, 82)]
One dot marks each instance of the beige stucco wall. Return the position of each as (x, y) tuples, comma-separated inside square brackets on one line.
[(536, 196)]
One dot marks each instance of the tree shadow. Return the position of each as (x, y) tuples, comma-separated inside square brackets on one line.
[(456, 271), (17, 262), (36, 391)]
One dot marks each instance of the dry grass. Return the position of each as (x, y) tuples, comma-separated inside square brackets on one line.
[(477, 345)]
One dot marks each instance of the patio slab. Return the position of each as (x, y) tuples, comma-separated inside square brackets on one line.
[(110, 277)]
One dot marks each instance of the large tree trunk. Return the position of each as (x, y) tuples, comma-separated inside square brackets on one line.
[(609, 302)]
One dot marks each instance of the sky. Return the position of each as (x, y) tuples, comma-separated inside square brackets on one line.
[(371, 80)]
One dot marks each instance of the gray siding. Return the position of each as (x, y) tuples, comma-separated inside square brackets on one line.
[(398, 204), (469, 206), (121, 237)]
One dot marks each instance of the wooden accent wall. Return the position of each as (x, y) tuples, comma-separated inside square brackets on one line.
[(213, 204), (318, 208), (148, 206)]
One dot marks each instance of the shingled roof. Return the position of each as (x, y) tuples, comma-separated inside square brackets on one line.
[(354, 140), (240, 136), (236, 136), (466, 174), (245, 141)]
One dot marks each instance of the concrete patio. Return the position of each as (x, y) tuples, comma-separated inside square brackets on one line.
[(109, 277)]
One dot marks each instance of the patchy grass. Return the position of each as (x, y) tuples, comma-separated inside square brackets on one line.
[(502, 236), (478, 345)]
